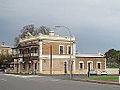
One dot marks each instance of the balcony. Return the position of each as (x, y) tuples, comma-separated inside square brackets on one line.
[(34, 54)]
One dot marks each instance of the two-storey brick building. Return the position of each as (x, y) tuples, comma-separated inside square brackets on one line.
[(46, 54), (51, 54)]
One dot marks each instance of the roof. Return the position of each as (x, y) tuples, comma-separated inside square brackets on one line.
[(90, 55), (4, 46), (27, 45)]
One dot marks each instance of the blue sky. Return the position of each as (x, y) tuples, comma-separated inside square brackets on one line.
[(94, 23)]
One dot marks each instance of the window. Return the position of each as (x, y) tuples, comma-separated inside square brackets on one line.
[(20, 51), (61, 49), (34, 50), (98, 65), (69, 49), (28, 50), (81, 64)]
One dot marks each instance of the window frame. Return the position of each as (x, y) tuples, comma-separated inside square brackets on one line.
[(82, 64), (97, 65), (71, 52), (60, 49)]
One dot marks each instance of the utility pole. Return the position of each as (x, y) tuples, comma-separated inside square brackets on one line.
[(88, 70), (71, 62), (119, 67), (50, 59)]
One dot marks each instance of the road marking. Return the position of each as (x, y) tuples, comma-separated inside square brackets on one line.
[(23, 76), (3, 79), (55, 80)]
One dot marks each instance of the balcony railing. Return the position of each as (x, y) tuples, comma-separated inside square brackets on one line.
[(34, 54)]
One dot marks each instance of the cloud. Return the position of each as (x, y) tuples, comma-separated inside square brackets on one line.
[(93, 22)]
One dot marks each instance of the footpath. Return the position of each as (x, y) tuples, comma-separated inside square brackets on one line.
[(98, 81)]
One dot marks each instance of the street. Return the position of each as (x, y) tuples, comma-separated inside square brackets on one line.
[(17, 82)]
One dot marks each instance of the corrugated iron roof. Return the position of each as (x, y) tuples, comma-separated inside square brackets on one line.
[(89, 55)]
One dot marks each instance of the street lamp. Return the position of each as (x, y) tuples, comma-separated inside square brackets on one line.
[(119, 66), (70, 48)]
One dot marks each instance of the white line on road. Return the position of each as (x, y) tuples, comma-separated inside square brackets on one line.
[(23, 76), (55, 80), (2, 79)]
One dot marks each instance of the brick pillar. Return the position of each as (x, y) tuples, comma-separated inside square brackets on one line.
[(27, 65), (40, 55)]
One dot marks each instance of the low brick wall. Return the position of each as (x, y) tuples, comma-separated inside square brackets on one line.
[(112, 70)]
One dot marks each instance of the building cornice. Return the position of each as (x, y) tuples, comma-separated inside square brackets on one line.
[(47, 37)]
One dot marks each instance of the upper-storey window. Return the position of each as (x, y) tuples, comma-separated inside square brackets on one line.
[(61, 49), (21, 51), (34, 50), (69, 49)]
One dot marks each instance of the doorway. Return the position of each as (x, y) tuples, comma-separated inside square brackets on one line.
[(65, 67)]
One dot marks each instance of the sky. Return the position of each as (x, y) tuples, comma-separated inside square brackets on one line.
[(94, 23)]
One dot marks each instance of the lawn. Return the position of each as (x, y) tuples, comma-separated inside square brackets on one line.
[(104, 78)]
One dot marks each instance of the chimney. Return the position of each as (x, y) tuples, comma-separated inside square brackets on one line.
[(51, 33)]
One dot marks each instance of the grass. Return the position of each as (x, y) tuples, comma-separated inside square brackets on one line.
[(104, 78)]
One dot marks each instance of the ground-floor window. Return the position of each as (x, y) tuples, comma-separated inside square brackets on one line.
[(81, 65), (98, 65)]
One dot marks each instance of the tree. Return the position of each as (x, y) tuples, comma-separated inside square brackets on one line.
[(113, 58), (43, 30), (30, 30), (26, 29), (5, 59)]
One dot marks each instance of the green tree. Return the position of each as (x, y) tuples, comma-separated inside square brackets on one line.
[(5, 59), (113, 58)]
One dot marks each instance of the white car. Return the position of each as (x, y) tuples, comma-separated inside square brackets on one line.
[(103, 72), (93, 72)]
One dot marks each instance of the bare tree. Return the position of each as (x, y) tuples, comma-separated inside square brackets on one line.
[(43, 30), (16, 41), (31, 30), (26, 29)]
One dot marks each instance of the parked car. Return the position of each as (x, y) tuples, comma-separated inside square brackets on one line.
[(1, 70), (103, 72), (93, 72)]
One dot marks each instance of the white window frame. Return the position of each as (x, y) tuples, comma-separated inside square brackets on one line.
[(68, 49), (97, 65), (82, 63), (59, 49)]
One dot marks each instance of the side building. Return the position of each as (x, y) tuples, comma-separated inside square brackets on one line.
[(5, 50), (97, 62), (5, 57)]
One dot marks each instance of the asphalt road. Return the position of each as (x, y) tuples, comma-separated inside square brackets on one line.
[(12, 82)]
